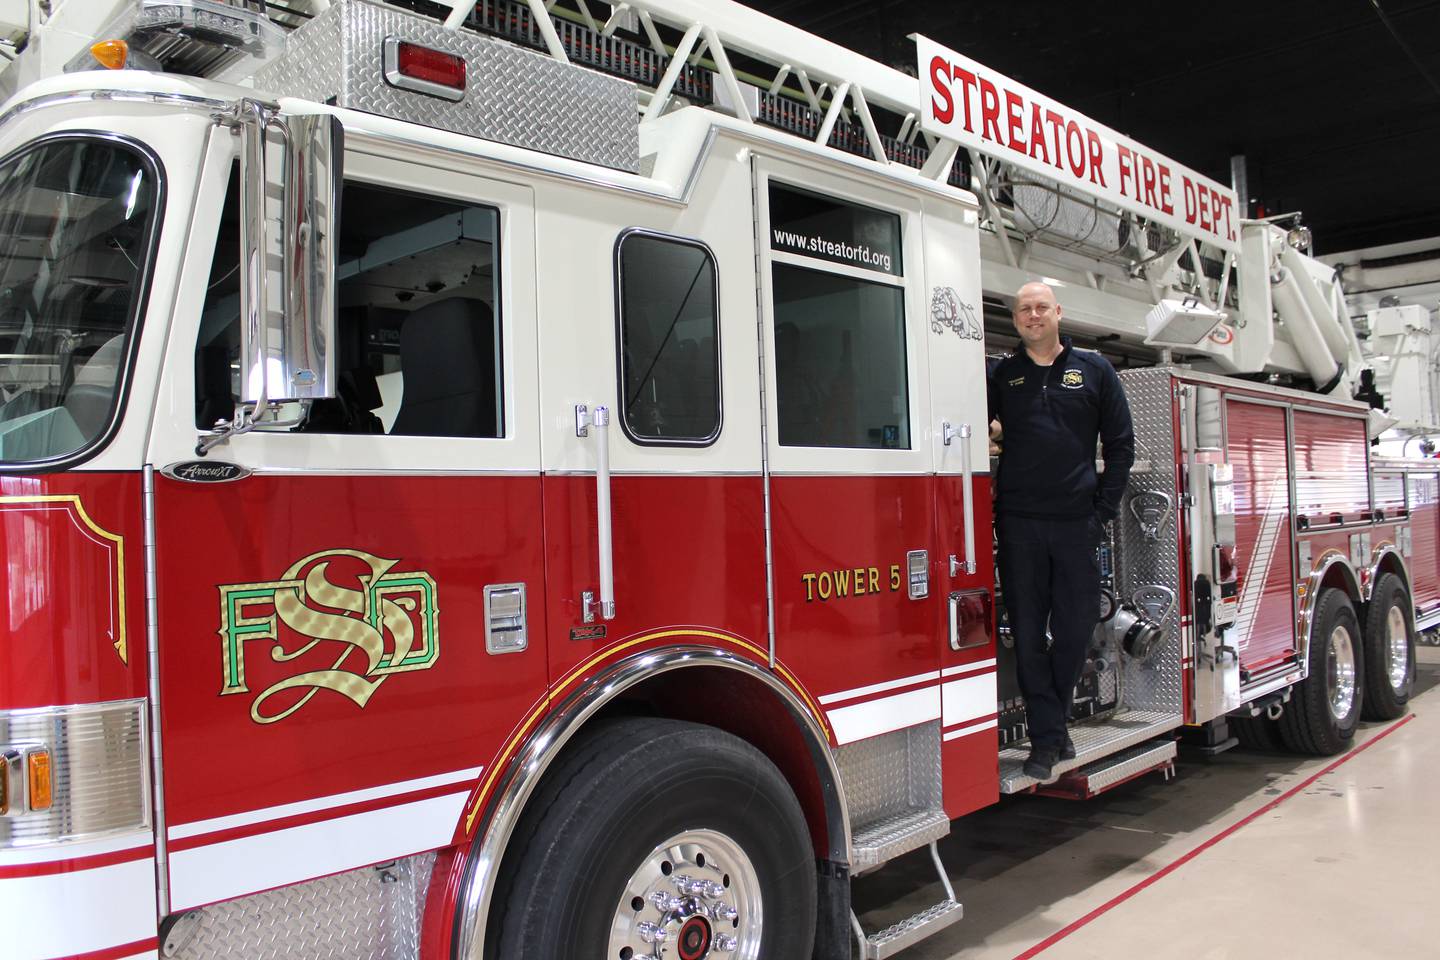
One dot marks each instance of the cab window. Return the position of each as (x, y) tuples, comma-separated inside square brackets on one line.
[(669, 340), (837, 282), (419, 334)]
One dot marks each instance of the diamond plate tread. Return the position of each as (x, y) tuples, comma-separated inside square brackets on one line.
[(372, 913), (1158, 684), (888, 838), (512, 95), (1093, 741), (1127, 764), (891, 774), (912, 930)]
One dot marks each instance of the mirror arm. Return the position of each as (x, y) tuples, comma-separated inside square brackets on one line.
[(245, 421)]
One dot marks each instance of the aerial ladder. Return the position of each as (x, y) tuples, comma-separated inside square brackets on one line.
[(1253, 305)]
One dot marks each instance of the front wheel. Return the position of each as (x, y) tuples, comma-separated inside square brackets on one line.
[(658, 838), (1324, 708), (1389, 649)]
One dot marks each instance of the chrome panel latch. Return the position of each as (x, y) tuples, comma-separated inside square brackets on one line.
[(917, 566), (1151, 508), (505, 618)]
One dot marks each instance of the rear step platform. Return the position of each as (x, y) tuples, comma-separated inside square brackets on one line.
[(885, 839), (1095, 778), (1094, 741), (911, 930)]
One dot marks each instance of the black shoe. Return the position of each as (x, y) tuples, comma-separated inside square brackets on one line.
[(1067, 752), (1040, 765)]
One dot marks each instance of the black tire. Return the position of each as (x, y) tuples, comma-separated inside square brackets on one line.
[(1387, 681), (598, 822), (1257, 733), (1310, 724)]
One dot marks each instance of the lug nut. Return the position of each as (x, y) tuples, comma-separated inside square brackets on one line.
[(725, 912), (714, 889), (665, 902), (695, 887), (724, 943), (651, 932)]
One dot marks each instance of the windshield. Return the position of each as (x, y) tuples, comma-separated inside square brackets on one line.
[(76, 217)]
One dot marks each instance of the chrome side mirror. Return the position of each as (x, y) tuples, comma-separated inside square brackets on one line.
[(291, 175)]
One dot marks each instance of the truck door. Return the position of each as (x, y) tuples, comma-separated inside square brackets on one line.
[(349, 627), (1258, 442), (648, 311), (848, 446), (964, 569)]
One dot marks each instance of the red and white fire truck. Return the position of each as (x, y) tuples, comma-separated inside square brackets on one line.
[(489, 482)]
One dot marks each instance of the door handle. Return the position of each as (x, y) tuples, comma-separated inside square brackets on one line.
[(599, 418), (950, 432)]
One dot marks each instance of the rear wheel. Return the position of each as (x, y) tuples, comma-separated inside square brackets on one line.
[(658, 838), (1389, 649), (1324, 708)]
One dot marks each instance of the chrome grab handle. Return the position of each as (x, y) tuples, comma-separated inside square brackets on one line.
[(599, 418), (954, 605), (948, 433)]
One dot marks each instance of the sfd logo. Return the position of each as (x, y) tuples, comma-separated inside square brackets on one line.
[(350, 622), (1073, 379)]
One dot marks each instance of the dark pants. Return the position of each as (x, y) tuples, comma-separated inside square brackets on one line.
[(1050, 576)]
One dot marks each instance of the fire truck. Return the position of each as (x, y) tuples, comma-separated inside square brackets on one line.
[(493, 482)]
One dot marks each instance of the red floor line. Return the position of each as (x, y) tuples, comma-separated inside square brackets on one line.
[(1120, 898)]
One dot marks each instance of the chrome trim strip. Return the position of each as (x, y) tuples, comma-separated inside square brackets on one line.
[(765, 472), (152, 670), (525, 769), (1304, 622), (1389, 549), (119, 96), (1302, 397)]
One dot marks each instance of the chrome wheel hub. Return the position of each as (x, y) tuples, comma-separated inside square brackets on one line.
[(1340, 673), (696, 896), (1397, 649)]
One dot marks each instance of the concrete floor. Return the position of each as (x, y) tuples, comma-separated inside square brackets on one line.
[(1245, 855)]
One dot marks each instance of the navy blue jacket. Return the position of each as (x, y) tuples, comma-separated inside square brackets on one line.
[(1051, 417)]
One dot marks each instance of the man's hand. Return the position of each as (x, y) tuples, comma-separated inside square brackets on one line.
[(996, 435)]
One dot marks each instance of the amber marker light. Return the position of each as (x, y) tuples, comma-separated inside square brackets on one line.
[(37, 763), (111, 54)]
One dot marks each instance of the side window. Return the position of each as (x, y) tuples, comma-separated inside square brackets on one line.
[(838, 286), (419, 332), (669, 340)]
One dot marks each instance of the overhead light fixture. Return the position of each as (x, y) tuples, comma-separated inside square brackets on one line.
[(1180, 323)]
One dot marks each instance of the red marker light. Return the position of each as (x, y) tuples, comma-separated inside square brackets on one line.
[(430, 66)]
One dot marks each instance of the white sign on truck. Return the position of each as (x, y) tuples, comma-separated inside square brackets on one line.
[(964, 101)]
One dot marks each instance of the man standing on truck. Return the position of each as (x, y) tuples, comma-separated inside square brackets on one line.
[(1052, 402)]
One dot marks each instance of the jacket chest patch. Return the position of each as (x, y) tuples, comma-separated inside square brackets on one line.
[(1017, 382), (1072, 379)]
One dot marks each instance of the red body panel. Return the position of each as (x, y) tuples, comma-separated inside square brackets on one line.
[(1424, 496), (1265, 620), (832, 636), (421, 716), (687, 550), (74, 575), (1331, 467), (969, 762)]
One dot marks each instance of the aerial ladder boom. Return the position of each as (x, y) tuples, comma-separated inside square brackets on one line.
[(1232, 295)]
